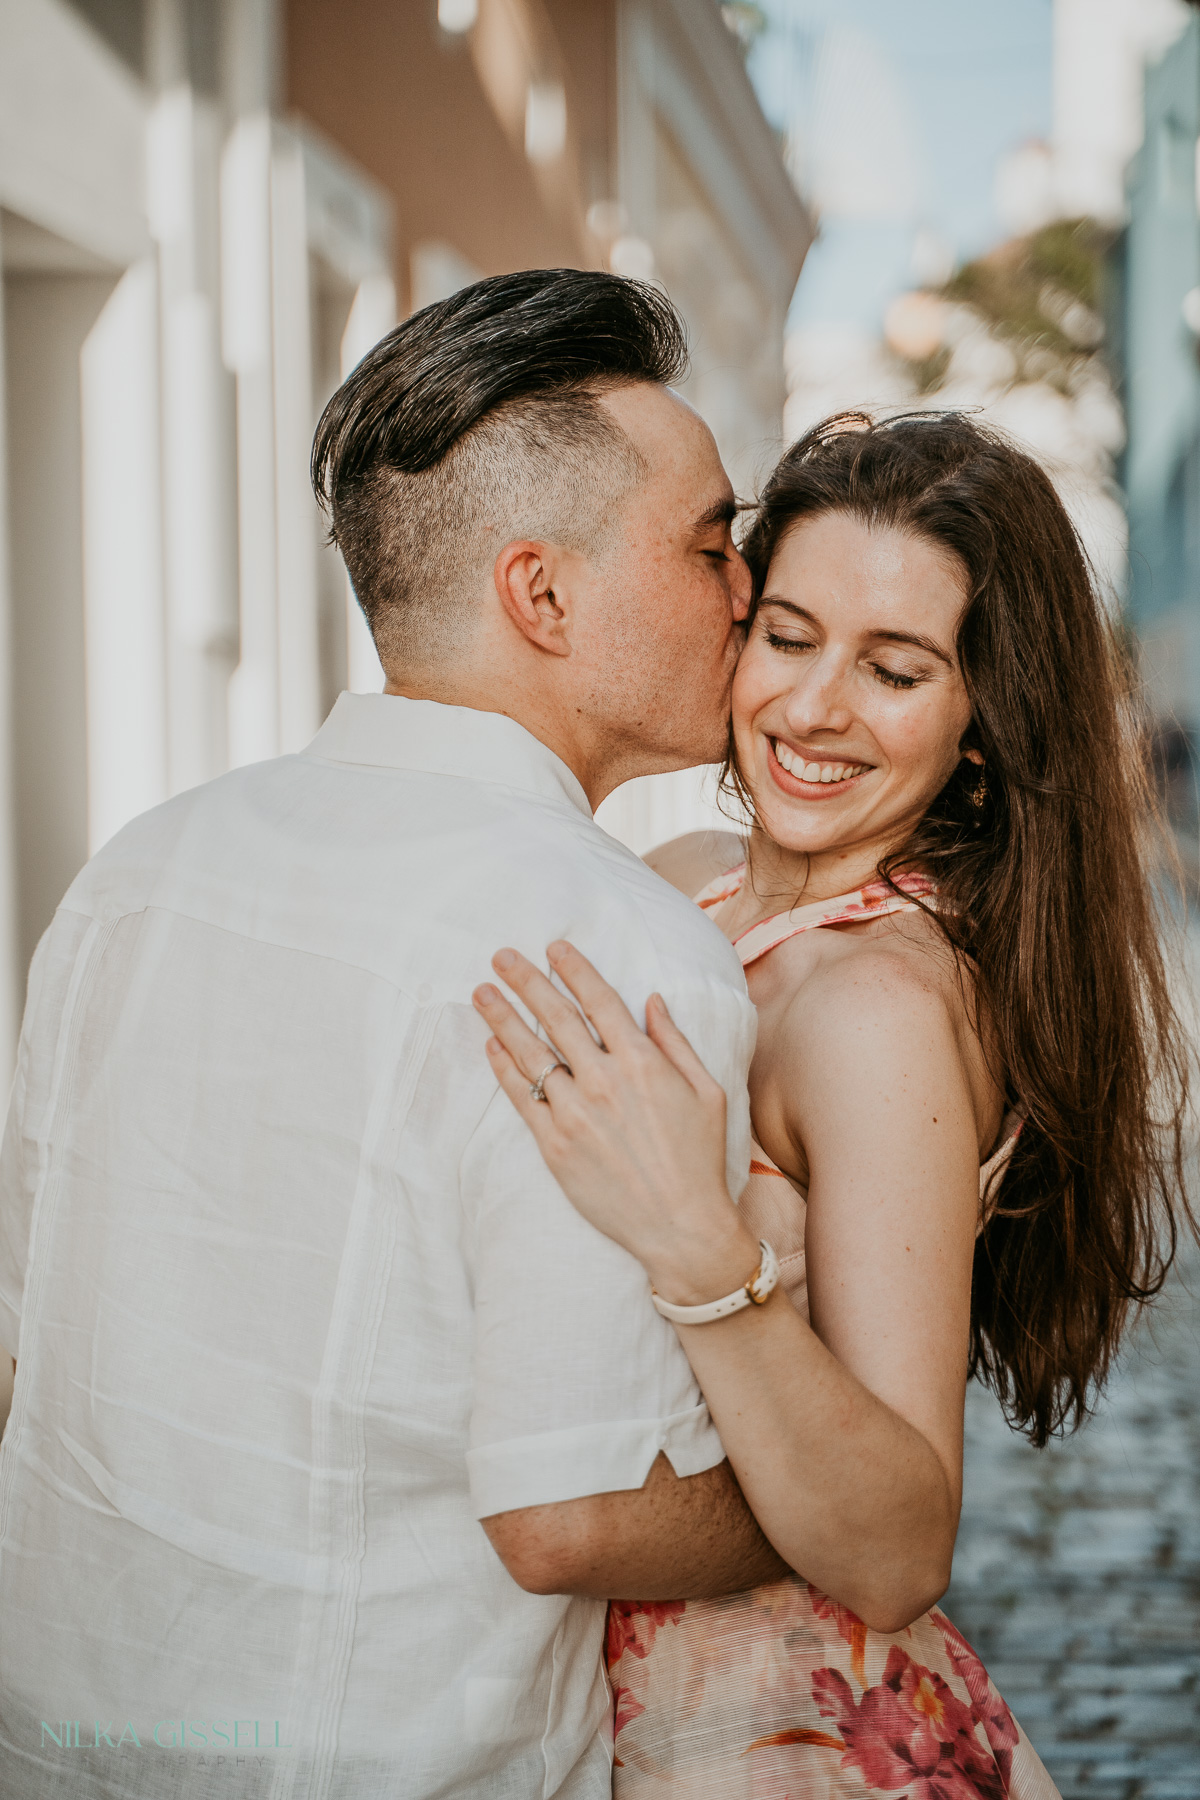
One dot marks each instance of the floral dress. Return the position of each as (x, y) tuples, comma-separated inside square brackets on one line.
[(780, 1693)]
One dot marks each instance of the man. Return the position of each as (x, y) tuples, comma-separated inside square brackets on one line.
[(297, 1303)]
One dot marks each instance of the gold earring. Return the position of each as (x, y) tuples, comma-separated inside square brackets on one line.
[(979, 792)]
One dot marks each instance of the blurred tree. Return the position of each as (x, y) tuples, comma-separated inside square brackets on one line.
[(1044, 295)]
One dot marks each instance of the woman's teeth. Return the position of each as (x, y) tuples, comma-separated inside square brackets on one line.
[(814, 771)]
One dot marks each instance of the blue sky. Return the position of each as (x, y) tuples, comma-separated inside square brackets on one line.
[(900, 111)]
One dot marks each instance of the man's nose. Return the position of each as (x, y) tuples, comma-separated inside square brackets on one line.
[(741, 585)]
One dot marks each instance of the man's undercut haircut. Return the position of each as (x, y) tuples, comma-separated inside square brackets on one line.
[(477, 423)]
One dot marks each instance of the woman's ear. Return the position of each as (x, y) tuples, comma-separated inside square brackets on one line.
[(968, 748)]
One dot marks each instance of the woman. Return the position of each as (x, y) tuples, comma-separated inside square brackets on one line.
[(967, 1100)]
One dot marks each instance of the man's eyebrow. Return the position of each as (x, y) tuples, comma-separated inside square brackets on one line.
[(721, 512), (915, 638)]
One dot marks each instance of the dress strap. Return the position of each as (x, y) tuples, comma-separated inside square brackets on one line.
[(722, 887), (874, 901)]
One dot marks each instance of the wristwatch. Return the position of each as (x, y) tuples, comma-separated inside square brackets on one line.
[(762, 1283)]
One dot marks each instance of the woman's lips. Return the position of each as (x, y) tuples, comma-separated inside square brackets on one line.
[(801, 788)]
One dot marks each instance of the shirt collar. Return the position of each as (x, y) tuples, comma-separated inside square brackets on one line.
[(389, 732)]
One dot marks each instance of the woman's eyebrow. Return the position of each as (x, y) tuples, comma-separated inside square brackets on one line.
[(917, 641), (801, 612), (914, 638)]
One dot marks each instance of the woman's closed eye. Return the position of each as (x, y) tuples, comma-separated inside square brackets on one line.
[(893, 678), (788, 644)]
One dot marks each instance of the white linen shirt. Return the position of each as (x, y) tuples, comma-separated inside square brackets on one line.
[(295, 1301)]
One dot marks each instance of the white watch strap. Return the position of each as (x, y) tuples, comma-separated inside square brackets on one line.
[(763, 1282)]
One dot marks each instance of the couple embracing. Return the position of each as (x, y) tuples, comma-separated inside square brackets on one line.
[(397, 1348)]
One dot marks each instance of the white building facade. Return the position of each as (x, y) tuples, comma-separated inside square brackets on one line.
[(186, 279)]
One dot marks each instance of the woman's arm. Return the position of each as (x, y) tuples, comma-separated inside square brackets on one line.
[(848, 1450), (847, 1437)]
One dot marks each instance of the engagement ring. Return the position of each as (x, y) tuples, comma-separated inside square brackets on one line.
[(537, 1089)]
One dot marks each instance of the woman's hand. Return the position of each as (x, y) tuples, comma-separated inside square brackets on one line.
[(633, 1129)]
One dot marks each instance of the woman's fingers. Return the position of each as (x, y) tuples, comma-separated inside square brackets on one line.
[(600, 1001), (613, 1020), (529, 1053), (663, 1031), (516, 1085), (562, 1020)]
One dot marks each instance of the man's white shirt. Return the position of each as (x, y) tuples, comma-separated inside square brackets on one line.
[(295, 1301)]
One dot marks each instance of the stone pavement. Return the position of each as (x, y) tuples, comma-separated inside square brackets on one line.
[(1077, 1573)]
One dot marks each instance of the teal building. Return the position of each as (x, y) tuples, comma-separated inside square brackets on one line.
[(1158, 271)]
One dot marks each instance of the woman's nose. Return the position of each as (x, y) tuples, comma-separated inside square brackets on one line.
[(818, 702)]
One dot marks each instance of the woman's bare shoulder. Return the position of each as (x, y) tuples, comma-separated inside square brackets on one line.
[(887, 964), (690, 862), (896, 985)]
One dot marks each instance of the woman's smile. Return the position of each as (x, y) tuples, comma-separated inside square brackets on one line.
[(807, 776)]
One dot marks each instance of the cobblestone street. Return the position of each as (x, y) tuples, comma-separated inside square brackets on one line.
[(1077, 1574)]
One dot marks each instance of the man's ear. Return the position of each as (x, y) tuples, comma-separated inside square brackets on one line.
[(524, 577)]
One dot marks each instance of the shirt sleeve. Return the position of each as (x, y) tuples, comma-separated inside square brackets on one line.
[(579, 1383)]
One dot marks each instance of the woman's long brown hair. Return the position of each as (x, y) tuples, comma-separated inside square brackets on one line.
[(1048, 891)]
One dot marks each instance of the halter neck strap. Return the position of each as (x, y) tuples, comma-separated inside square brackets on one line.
[(873, 901)]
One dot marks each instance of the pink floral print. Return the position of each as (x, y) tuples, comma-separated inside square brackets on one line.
[(909, 1732), (912, 1715)]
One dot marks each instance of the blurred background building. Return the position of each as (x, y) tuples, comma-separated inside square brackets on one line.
[(209, 209), (1157, 343)]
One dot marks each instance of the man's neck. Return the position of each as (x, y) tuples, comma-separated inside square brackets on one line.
[(597, 773)]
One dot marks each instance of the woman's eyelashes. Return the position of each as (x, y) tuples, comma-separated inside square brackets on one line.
[(787, 644), (893, 678)]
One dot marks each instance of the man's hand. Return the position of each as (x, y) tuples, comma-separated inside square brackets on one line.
[(675, 1538)]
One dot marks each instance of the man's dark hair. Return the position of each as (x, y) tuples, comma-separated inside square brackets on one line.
[(475, 422)]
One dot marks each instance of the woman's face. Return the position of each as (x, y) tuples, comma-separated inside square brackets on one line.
[(848, 704)]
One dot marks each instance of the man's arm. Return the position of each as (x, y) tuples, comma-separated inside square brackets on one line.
[(677, 1538), (593, 1462)]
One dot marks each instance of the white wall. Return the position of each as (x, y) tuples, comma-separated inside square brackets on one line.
[(12, 973), (166, 607), (123, 576), (47, 320)]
